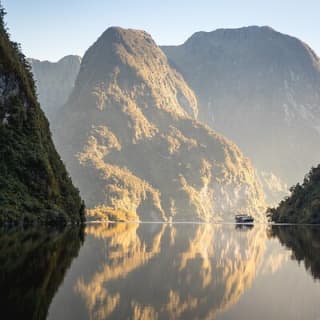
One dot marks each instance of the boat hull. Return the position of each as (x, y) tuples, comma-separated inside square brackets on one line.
[(244, 219)]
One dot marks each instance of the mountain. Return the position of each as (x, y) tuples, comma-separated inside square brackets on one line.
[(131, 141), (303, 205), (34, 184), (260, 88), (55, 81)]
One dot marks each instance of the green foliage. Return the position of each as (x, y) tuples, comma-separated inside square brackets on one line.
[(34, 184), (303, 206)]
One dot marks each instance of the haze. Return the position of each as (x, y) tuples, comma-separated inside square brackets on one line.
[(49, 30)]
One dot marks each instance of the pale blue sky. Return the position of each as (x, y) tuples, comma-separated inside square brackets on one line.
[(51, 29)]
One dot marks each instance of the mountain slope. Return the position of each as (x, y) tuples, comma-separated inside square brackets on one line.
[(55, 81), (34, 184), (261, 89), (129, 136), (303, 205)]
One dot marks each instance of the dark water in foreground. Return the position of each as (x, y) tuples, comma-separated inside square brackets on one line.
[(157, 271)]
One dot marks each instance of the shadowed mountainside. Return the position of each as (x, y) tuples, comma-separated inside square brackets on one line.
[(261, 89), (55, 81)]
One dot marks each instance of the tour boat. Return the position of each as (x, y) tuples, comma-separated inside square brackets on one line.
[(244, 218)]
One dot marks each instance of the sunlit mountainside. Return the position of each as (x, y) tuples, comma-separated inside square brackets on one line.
[(130, 137), (255, 85)]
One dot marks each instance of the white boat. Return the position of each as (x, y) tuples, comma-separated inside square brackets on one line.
[(244, 218)]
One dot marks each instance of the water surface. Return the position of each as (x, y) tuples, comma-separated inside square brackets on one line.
[(163, 271)]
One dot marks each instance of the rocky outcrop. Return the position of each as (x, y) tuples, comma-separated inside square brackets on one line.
[(34, 184), (261, 89), (130, 138), (55, 81)]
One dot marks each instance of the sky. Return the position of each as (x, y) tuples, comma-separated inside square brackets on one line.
[(51, 29)]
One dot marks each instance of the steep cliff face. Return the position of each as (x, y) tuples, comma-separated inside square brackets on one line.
[(55, 81), (303, 205), (34, 184), (130, 138), (261, 89)]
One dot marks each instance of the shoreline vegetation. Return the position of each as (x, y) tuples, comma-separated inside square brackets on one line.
[(303, 205), (108, 214)]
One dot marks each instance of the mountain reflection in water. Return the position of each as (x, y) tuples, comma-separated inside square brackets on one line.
[(161, 271), (166, 271)]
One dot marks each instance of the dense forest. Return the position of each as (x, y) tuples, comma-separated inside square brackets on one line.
[(303, 205), (34, 184)]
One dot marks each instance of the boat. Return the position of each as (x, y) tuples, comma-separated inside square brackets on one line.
[(244, 218)]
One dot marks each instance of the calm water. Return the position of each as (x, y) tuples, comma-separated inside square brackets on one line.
[(157, 271)]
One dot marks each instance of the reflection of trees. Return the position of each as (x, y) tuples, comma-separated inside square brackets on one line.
[(32, 266), (170, 271), (304, 241)]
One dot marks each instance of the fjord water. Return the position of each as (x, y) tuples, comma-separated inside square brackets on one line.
[(162, 271)]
